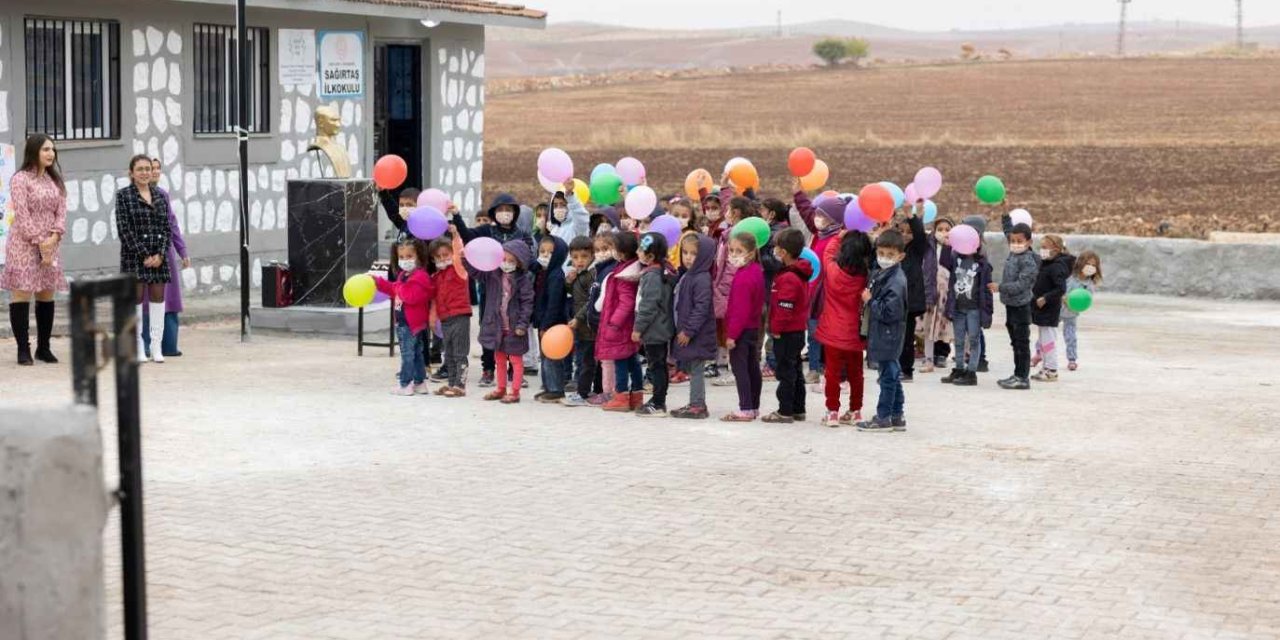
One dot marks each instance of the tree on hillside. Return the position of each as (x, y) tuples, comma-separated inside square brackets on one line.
[(856, 49), (831, 50)]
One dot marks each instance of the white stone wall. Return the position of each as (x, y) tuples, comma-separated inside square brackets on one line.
[(460, 111)]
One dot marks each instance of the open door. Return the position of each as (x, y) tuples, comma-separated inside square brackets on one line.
[(397, 125)]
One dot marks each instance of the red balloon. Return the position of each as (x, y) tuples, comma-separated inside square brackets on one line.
[(390, 171), (876, 202), (801, 162)]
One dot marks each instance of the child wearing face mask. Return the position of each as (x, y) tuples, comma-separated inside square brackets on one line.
[(569, 218), (1015, 289), (695, 320), (654, 326), (723, 272), (968, 305), (1086, 275), (605, 262), (604, 221), (777, 214), (937, 331), (453, 307), (1050, 288), (550, 308), (504, 322), (582, 276), (617, 307), (742, 325), (887, 309), (411, 293), (824, 224)]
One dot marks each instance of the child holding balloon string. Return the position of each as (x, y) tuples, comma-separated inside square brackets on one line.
[(1048, 293), (846, 267), (1086, 275), (412, 293), (936, 328), (551, 308), (824, 224), (723, 273), (787, 320), (617, 307), (586, 255)]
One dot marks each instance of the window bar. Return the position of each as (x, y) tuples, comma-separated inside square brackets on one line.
[(60, 56), (264, 86)]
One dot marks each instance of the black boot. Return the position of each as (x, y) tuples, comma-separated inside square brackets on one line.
[(44, 330), (20, 322), (955, 375), (967, 379)]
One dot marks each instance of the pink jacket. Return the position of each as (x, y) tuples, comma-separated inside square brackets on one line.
[(618, 313), (746, 301), (416, 293), (722, 272)]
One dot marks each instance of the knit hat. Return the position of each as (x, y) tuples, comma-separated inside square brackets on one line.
[(977, 222)]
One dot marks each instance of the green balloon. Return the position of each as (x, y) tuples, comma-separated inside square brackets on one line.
[(756, 227), (604, 188), (1079, 300), (989, 190)]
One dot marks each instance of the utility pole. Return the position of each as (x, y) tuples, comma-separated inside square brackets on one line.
[(242, 137), (1240, 25), (1124, 14), (779, 23)]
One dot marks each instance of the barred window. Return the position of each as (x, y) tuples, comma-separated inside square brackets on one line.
[(216, 79), (73, 78)]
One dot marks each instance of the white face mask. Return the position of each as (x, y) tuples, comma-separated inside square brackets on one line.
[(544, 261), (1018, 248), (604, 228), (1046, 254), (1089, 270), (738, 261), (713, 214), (885, 263), (560, 214), (408, 265), (508, 267), (504, 217), (404, 212), (603, 256), (443, 264), (942, 236)]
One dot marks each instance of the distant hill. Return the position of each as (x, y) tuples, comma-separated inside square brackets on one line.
[(585, 48)]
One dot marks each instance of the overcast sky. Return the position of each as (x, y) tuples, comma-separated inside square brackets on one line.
[(927, 15)]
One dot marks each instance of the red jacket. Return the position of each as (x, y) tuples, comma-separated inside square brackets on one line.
[(453, 294), (840, 323), (415, 292), (789, 300)]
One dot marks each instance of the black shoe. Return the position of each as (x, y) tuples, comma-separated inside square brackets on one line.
[(982, 366), (711, 371), (950, 378), (1016, 384), (876, 425), (441, 374), (549, 397), (45, 355), (907, 377), (486, 379), (966, 379), (175, 354), (899, 423), (44, 331)]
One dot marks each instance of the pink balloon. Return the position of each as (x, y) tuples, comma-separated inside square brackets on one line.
[(855, 219), (641, 202), (964, 240), (555, 164), (485, 254), (434, 198), (912, 195), (928, 182), (630, 170), (550, 186)]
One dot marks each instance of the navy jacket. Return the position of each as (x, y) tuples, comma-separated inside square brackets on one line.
[(695, 315), (551, 302), (888, 309)]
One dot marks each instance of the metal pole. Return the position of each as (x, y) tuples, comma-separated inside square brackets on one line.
[(1124, 10), (129, 442), (242, 134)]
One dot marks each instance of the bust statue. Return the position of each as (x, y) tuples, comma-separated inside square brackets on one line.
[(327, 122)]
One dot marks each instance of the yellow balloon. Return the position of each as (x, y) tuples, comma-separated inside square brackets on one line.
[(582, 190), (359, 290)]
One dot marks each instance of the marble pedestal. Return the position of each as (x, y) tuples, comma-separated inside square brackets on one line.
[(333, 235)]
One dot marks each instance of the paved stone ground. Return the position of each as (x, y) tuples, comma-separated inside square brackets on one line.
[(288, 496)]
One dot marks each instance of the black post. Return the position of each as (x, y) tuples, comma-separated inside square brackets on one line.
[(242, 134)]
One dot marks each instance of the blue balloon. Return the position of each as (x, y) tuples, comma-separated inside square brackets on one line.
[(812, 257), (603, 167), (898, 196), (930, 211)]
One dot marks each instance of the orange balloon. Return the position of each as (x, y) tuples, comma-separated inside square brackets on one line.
[(698, 180), (816, 178), (390, 171), (557, 342), (744, 175)]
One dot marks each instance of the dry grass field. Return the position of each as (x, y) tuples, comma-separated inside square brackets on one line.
[(1142, 146)]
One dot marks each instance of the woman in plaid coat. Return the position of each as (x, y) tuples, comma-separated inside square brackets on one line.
[(142, 220)]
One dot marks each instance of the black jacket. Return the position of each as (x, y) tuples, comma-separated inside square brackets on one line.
[(913, 267), (1051, 284)]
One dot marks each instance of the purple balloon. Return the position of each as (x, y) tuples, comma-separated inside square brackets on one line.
[(668, 226), (855, 219), (379, 296), (427, 223)]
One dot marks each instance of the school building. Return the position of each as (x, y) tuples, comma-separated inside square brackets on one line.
[(109, 79)]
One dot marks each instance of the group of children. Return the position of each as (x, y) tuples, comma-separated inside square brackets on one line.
[(645, 315)]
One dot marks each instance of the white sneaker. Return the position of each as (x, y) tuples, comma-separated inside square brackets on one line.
[(724, 380)]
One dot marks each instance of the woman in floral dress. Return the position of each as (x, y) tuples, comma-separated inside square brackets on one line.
[(142, 220), (32, 257)]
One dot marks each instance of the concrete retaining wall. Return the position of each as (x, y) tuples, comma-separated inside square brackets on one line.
[(1172, 267), (53, 507)]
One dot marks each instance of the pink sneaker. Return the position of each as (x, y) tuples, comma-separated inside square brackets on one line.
[(406, 390), (599, 399)]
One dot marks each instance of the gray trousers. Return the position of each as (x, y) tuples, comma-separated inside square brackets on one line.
[(697, 382), (457, 346), (1069, 334)]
